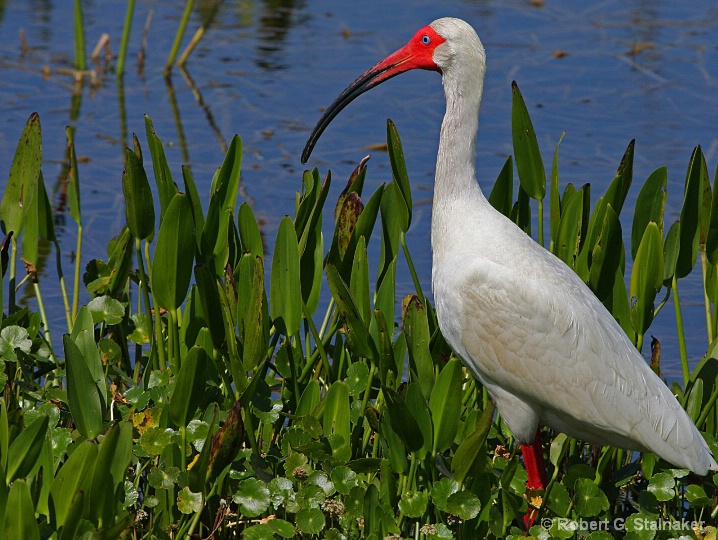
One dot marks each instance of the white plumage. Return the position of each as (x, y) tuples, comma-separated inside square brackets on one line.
[(522, 321)]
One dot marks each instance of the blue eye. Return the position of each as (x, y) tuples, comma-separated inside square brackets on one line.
[(425, 40)]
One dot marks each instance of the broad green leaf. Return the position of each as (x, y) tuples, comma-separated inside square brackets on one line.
[(174, 255), (570, 228), (106, 309), (464, 504), (310, 398), (354, 184), (73, 178), (348, 217), (694, 402), (22, 182), (20, 513), (108, 477), (209, 296), (472, 450), (529, 164), (310, 520), (282, 528), (712, 235), (25, 450), (221, 202), (502, 194), (445, 405), (166, 187), (74, 475), (359, 283), (252, 496), (618, 189), (403, 421), (662, 485), (139, 206), (413, 503), (416, 330), (607, 253), (336, 412), (226, 442), (690, 215), (590, 499), (190, 189), (74, 515), (189, 386), (646, 278), (284, 287), (356, 331), (696, 496), (441, 491), (398, 169), (671, 246), (419, 407), (650, 204), (251, 310), (554, 196), (357, 378), (189, 502), (249, 231), (344, 479), (83, 396)]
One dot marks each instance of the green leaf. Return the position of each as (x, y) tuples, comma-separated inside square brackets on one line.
[(20, 513), (640, 526), (529, 164), (221, 203), (251, 310), (618, 190), (671, 247), (650, 204), (413, 503), (285, 288), (139, 206), (402, 420), (554, 196), (310, 520), (74, 515), (22, 182), (249, 231), (558, 500), (570, 229), (344, 479), (662, 485), (441, 491), (83, 396), (398, 168), (416, 330), (174, 255), (646, 278), (189, 502), (712, 234), (696, 496), (464, 504), (419, 407), (282, 528), (336, 419), (502, 194), (190, 189), (471, 451), (606, 255), (359, 282), (189, 386), (163, 176), (12, 338), (690, 215), (348, 217), (106, 309), (252, 496), (74, 475), (357, 378), (73, 178), (25, 450), (590, 499), (445, 405)]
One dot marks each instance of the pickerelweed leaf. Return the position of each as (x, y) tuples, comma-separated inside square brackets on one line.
[(139, 206), (712, 234), (403, 421), (174, 255), (646, 277), (445, 404), (471, 452), (650, 205), (189, 386), (83, 396), (284, 286), (74, 475), (554, 195), (24, 452), (690, 215), (419, 407), (502, 194), (115, 453), (570, 228), (398, 168), (22, 182), (20, 513), (73, 178), (529, 164), (671, 247), (163, 176), (416, 330)]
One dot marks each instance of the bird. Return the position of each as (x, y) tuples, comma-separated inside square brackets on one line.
[(523, 323)]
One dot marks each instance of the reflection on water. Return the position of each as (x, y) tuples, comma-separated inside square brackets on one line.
[(266, 69)]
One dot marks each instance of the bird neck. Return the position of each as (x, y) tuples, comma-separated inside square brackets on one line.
[(456, 191)]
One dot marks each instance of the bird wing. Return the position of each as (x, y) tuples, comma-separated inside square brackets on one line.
[(542, 335)]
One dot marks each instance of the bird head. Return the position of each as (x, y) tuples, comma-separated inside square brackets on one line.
[(434, 47)]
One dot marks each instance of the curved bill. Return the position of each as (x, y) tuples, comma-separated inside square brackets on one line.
[(398, 62)]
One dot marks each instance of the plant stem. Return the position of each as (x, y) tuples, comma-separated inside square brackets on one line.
[(681, 334), (11, 281), (709, 406), (125, 38), (63, 288), (412, 270), (178, 37), (76, 277), (80, 61), (706, 300), (540, 221)]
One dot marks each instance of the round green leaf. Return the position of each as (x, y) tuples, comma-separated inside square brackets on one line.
[(310, 520), (464, 504), (638, 527), (344, 479), (696, 496), (662, 486), (413, 503), (441, 492), (188, 502), (282, 528), (252, 496), (590, 499), (357, 378), (106, 309)]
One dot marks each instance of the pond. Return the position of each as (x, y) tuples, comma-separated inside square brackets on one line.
[(604, 73)]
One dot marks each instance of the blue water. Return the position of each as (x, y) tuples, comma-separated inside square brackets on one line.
[(605, 74)]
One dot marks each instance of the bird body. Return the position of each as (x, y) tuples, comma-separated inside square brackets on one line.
[(525, 325)]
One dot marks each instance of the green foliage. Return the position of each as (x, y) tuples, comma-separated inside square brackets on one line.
[(309, 410)]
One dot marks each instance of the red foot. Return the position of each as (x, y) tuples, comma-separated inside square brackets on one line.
[(536, 470)]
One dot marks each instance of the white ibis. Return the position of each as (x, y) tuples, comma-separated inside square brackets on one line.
[(523, 322)]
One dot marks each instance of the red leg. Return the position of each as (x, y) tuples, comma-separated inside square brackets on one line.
[(533, 461)]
